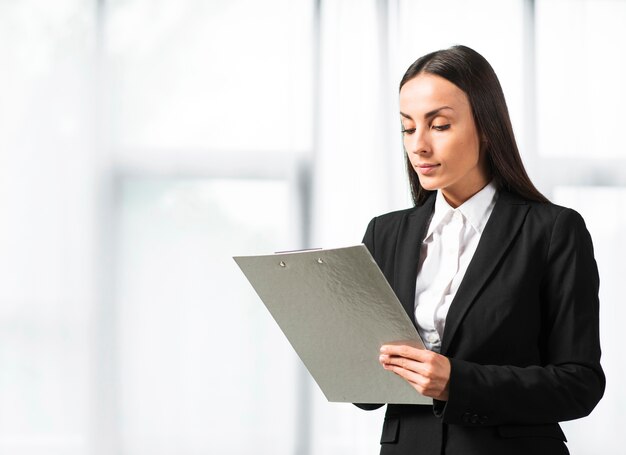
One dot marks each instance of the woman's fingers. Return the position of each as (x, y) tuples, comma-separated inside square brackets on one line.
[(411, 352), (427, 371), (411, 376), (405, 363)]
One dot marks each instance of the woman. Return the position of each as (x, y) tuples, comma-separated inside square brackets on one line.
[(501, 284)]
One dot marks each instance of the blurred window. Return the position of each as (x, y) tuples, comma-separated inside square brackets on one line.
[(217, 75), (581, 69), (203, 367), (210, 90), (46, 208)]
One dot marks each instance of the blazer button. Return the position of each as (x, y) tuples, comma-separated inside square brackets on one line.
[(466, 417), (475, 418)]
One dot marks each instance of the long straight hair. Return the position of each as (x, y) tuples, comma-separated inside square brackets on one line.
[(473, 74)]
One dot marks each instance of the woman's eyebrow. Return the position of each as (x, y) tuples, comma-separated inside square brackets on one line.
[(427, 114), (436, 111)]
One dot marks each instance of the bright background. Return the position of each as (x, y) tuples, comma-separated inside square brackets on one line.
[(145, 142)]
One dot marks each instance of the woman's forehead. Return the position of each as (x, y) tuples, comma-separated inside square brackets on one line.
[(427, 92)]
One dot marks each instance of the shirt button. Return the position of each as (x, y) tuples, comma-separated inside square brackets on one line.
[(431, 337)]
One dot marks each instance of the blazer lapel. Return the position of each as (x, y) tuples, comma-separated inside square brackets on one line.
[(408, 249), (502, 227)]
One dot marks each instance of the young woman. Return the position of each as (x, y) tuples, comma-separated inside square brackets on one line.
[(501, 284)]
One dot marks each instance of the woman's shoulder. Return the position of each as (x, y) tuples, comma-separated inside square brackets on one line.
[(395, 216), (384, 228), (547, 213)]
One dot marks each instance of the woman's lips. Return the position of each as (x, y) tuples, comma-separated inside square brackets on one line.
[(426, 169)]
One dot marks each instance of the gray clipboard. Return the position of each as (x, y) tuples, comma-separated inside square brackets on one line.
[(336, 309)]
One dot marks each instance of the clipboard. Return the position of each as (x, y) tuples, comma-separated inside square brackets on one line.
[(336, 309)]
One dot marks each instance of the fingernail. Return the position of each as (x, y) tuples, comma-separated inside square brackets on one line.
[(383, 349)]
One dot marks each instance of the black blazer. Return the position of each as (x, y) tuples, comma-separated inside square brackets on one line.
[(521, 333)]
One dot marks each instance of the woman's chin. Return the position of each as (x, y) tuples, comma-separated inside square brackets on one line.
[(429, 184)]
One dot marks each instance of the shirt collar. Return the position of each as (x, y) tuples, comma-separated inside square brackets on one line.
[(476, 209)]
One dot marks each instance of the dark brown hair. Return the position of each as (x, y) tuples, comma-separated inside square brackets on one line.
[(473, 74)]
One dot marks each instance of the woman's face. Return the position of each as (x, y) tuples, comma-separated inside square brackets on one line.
[(441, 139)]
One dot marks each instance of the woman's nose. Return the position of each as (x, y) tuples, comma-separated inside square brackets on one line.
[(417, 142)]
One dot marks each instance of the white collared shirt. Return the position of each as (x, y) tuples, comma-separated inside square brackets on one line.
[(447, 249)]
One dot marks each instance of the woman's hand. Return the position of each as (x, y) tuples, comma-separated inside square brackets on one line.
[(427, 371)]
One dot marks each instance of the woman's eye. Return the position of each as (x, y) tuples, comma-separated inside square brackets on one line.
[(408, 130), (441, 127)]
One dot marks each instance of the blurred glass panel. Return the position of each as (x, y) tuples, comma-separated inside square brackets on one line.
[(604, 211), (203, 366), (46, 201), (46, 146), (581, 69), (222, 75)]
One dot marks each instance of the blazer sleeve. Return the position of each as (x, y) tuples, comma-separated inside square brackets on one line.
[(570, 381)]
